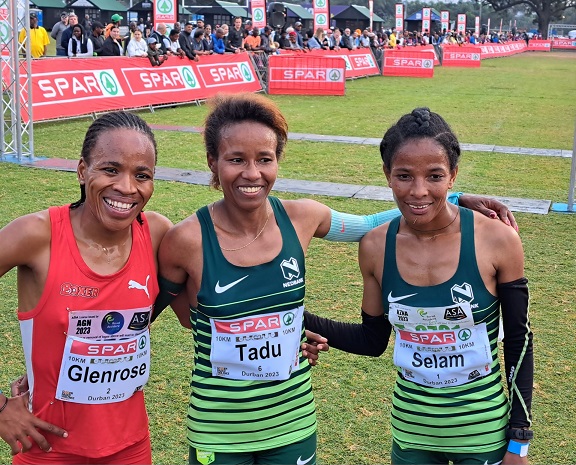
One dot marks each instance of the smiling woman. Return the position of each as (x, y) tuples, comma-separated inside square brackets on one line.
[(87, 273)]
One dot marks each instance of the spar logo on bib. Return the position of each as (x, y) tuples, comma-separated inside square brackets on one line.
[(112, 323)]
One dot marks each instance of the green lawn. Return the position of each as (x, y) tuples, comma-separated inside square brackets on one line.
[(527, 100)]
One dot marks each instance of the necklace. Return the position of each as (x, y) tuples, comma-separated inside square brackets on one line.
[(433, 230), (249, 243)]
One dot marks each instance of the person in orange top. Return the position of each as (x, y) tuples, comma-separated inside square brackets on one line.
[(253, 42)]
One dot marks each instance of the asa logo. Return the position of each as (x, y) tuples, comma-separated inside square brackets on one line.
[(454, 314)]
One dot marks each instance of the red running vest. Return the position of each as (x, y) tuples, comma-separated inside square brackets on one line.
[(94, 430)]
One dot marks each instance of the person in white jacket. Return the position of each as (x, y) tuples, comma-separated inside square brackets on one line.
[(79, 46), (137, 46)]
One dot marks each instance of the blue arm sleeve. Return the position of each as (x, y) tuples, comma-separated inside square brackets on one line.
[(346, 227)]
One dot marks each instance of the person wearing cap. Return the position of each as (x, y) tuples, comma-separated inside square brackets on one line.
[(39, 39), (114, 22), (292, 43), (67, 33), (154, 52), (56, 33), (97, 37), (298, 30)]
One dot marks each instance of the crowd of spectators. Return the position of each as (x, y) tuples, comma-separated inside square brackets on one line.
[(194, 40)]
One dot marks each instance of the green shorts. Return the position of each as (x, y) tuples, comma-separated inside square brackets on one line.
[(298, 453), (419, 457)]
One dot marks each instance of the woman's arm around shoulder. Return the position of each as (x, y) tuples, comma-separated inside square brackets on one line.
[(371, 261)]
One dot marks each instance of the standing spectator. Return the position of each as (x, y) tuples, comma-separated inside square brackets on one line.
[(112, 46), (235, 37), (185, 39), (199, 25), (293, 41), (177, 27), (218, 42), (137, 46), (248, 27), (67, 33), (175, 44), (364, 39), (39, 39), (154, 52), (265, 41), (198, 43), (115, 21), (56, 33), (253, 42), (208, 38), (87, 23), (97, 37), (346, 41), (391, 38), (132, 28), (141, 25), (79, 46), (299, 37), (313, 42)]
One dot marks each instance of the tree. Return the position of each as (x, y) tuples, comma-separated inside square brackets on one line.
[(545, 10)]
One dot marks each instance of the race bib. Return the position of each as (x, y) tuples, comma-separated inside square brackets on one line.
[(440, 346), (106, 356), (263, 347)]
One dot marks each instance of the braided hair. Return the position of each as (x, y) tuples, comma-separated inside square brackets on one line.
[(109, 122), (420, 124)]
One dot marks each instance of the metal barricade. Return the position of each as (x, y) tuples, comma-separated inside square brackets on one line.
[(259, 60)]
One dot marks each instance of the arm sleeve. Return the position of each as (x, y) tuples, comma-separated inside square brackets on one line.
[(168, 291), (345, 227), (367, 338), (518, 350)]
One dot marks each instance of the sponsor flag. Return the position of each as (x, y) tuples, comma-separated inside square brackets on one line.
[(371, 8), (477, 25), (461, 24), (445, 20), (258, 9), (321, 12), (426, 20), (165, 11), (399, 17)]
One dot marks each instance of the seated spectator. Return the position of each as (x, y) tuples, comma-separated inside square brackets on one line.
[(253, 42), (97, 37), (198, 43), (137, 46), (208, 39), (174, 48), (292, 43), (218, 45), (154, 52), (79, 46), (112, 46)]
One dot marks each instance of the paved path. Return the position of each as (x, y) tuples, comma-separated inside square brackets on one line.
[(376, 141)]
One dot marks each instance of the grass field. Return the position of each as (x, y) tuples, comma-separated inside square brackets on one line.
[(528, 100)]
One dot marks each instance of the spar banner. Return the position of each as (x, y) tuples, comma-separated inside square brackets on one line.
[(461, 24), (540, 45), (258, 8), (567, 44), (165, 11), (359, 62), (399, 16), (63, 87), (501, 50), (321, 11), (465, 56), (445, 20), (409, 62), (432, 49), (426, 20), (306, 74)]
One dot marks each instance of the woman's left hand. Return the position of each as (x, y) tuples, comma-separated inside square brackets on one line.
[(313, 345), (514, 459), (489, 207)]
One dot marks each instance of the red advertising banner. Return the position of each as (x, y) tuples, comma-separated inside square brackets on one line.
[(62, 87), (165, 11), (501, 50), (306, 74), (426, 20), (321, 11), (445, 20), (466, 56), (566, 44), (399, 16), (258, 8), (409, 62), (433, 50), (359, 62), (540, 45), (461, 24)]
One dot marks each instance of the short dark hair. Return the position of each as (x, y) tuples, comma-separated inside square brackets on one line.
[(228, 110), (421, 123), (109, 122), (198, 33)]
